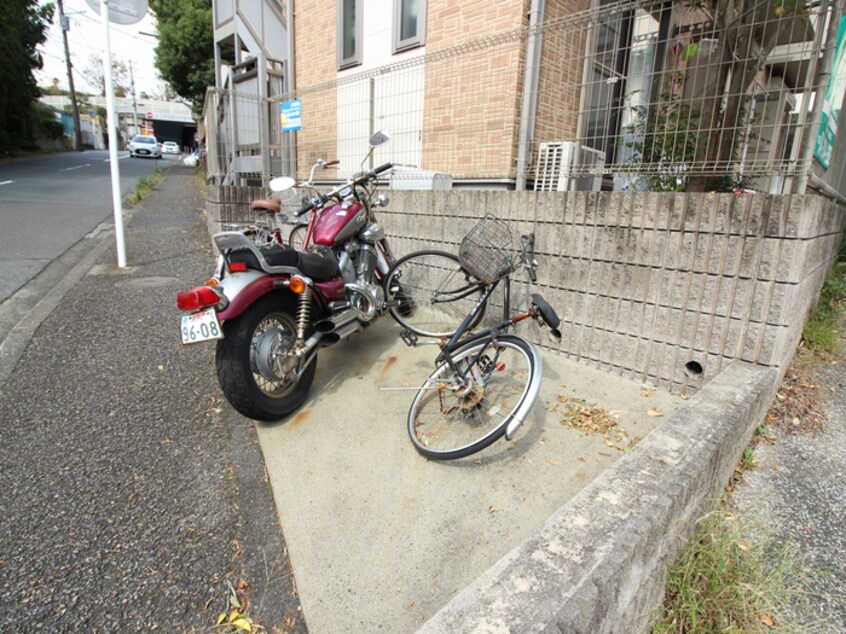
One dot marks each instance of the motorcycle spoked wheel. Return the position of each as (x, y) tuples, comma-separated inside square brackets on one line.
[(256, 377)]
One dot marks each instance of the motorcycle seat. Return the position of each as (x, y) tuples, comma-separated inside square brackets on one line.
[(317, 266), (266, 204)]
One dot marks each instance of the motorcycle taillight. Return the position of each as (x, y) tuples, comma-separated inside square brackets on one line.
[(197, 298)]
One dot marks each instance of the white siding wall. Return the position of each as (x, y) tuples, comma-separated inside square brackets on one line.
[(375, 104)]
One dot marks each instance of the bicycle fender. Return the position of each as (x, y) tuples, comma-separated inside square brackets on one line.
[(531, 395), (548, 314)]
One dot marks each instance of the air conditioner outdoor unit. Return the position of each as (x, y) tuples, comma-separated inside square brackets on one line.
[(558, 167)]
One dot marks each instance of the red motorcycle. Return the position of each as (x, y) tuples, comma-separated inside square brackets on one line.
[(270, 308)]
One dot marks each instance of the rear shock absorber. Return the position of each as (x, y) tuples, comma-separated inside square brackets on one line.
[(303, 313)]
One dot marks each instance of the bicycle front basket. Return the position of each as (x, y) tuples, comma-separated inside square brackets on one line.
[(486, 251)]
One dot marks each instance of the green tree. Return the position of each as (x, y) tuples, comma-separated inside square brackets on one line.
[(746, 31), (185, 53), (95, 75), (22, 29)]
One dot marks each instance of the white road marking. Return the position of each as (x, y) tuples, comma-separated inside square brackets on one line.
[(75, 167), (6, 182)]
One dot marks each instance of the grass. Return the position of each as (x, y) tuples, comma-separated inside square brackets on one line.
[(145, 185), (726, 583), (820, 333)]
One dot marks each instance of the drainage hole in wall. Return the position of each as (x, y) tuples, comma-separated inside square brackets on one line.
[(693, 369)]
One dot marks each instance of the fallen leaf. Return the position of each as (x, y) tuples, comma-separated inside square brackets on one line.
[(744, 545), (493, 509), (767, 620), (557, 463), (243, 624), (654, 411)]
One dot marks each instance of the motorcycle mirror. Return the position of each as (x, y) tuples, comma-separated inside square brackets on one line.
[(379, 138), (282, 183)]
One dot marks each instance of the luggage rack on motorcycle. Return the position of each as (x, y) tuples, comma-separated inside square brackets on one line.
[(235, 240)]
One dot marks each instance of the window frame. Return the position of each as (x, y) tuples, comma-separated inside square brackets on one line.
[(419, 38), (355, 58)]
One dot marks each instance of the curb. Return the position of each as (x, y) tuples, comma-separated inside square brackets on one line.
[(600, 563)]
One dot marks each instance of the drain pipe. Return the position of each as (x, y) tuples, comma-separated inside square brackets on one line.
[(809, 136), (529, 105), (290, 77)]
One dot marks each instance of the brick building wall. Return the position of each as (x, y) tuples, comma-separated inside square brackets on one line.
[(561, 69), (471, 110), (315, 59)]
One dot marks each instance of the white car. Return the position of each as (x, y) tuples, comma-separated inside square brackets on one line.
[(169, 147), (144, 145)]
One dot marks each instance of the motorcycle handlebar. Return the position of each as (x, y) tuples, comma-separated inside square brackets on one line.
[(304, 209), (361, 177)]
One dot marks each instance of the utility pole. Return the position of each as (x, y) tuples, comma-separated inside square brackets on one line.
[(134, 104), (77, 131)]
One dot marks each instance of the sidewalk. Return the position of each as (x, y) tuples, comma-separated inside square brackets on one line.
[(797, 492), (130, 501)]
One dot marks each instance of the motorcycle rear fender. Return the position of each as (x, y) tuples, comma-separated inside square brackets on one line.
[(243, 289)]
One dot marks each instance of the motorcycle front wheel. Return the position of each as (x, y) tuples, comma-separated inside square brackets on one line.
[(257, 376)]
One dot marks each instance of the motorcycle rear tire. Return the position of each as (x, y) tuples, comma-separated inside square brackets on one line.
[(241, 382)]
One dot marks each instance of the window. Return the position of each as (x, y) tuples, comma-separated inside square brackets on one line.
[(349, 33), (409, 24)]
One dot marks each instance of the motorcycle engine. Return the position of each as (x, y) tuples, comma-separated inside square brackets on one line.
[(365, 263), (365, 297)]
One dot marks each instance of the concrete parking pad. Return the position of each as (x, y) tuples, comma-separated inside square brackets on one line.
[(381, 538)]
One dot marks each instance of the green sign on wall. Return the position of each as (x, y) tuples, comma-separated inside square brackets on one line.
[(833, 99)]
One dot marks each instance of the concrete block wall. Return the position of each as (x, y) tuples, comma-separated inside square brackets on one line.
[(663, 288)]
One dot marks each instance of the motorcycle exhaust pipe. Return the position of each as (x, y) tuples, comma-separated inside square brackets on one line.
[(326, 326), (332, 330), (342, 332)]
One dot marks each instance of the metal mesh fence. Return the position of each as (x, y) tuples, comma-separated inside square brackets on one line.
[(632, 96)]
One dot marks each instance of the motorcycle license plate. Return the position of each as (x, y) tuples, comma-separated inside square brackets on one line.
[(202, 326)]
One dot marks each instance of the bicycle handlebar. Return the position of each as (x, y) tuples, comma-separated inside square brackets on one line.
[(527, 254)]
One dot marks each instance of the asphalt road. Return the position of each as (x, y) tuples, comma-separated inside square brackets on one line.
[(132, 500), (48, 204)]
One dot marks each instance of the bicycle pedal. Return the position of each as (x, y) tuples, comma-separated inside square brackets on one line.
[(409, 338)]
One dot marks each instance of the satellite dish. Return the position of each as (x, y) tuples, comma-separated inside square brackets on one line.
[(123, 11)]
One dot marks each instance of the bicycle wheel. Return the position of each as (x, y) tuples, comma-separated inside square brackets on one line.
[(297, 237), (431, 293), (457, 413)]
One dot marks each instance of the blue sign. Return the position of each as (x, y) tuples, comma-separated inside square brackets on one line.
[(291, 115)]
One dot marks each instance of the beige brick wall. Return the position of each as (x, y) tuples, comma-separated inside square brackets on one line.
[(316, 64), (471, 111), (562, 64)]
